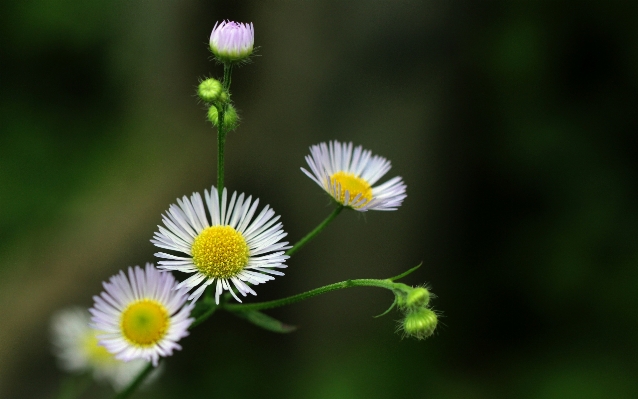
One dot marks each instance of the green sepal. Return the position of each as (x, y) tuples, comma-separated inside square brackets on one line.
[(405, 273), (266, 322), (389, 309)]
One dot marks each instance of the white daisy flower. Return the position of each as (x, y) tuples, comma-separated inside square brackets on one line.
[(229, 249), (348, 177), (76, 347), (142, 316)]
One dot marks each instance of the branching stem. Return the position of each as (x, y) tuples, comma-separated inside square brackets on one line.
[(364, 282)]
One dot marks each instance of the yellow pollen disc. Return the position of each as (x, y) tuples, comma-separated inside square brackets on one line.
[(96, 352), (355, 186), (220, 252), (144, 323)]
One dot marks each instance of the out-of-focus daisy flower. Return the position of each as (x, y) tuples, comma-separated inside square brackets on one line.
[(348, 176), (76, 347), (142, 316), (230, 248), (232, 41)]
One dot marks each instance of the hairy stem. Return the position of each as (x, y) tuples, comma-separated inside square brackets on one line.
[(364, 282), (221, 134)]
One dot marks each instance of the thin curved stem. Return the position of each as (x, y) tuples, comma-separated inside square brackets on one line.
[(135, 383), (364, 282), (314, 232), (204, 316)]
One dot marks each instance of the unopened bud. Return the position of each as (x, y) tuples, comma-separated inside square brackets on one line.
[(232, 41), (212, 115), (210, 90), (417, 298), (420, 324), (231, 119)]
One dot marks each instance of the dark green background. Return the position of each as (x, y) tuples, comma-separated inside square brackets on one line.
[(513, 124)]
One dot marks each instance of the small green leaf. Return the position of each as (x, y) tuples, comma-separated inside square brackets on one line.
[(266, 322), (405, 273), (389, 309)]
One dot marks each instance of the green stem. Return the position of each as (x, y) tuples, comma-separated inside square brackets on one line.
[(136, 382), (314, 232), (212, 308), (75, 386), (221, 134), (228, 68), (364, 282), (221, 142)]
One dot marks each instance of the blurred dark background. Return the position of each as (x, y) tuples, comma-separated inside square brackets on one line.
[(513, 124)]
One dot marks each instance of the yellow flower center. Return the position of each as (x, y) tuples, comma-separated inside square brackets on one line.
[(220, 252), (145, 322), (354, 185), (96, 353)]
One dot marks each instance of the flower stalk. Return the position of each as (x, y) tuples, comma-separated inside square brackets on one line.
[(212, 307), (221, 131), (315, 232), (364, 282), (126, 392)]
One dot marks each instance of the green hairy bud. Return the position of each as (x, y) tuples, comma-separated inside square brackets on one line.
[(231, 119), (410, 298), (419, 324), (417, 298), (210, 90)]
